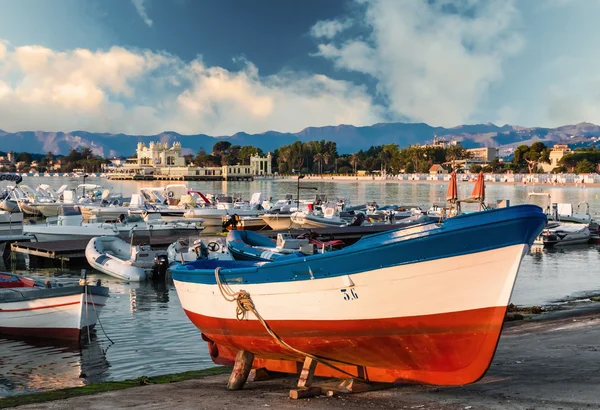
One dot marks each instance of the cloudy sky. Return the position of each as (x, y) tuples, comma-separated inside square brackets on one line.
[(219, 67)]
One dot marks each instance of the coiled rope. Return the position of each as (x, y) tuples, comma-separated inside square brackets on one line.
[(245, 304)]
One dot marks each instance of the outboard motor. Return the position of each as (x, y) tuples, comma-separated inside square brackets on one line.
[(159, 269), (358, 219)]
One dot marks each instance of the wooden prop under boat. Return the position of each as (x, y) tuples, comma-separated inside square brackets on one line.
[(117, 258), (423, 304), (30, 308)]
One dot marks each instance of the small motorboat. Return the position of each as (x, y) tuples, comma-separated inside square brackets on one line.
[(562, 234), (424, 304), (48, 310), (187, 250), (277, 220), (315, 219), (252, 246), (117, 258), (69, 225), (7, 201)]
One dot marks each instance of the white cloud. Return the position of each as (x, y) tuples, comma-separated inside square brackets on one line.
[(143, 92), (329, 28), (141, 9), (432, 61)]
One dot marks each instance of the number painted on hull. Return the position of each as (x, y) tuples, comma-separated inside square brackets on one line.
[(349, 295)]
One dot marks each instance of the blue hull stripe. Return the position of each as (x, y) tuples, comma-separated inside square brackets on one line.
[(461, 235)]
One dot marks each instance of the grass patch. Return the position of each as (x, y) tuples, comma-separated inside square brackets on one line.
[(19, 400)]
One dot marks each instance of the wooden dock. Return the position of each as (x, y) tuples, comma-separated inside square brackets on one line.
[(60, 250), (65, 251)]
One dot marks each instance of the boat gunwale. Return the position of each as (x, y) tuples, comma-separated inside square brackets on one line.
[(46, 293), (456, 224)]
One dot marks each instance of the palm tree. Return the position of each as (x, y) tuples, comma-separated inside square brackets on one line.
[(326, 158), (318, 158), (354, 160), (385, 156), (87, 153)]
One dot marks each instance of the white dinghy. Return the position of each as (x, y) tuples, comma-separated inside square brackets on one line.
[(117, 258)]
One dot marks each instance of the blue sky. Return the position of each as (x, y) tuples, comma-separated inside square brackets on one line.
[(219, 67)]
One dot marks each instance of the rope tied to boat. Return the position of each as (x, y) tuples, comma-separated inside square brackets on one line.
[(245, 304)]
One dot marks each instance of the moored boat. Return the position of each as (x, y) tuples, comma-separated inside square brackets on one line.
[(117, 258), (189, 249), (562, 234), (422, 304), (69, 225), (309, 220), (277, 221), (248, 245), (31, 308)]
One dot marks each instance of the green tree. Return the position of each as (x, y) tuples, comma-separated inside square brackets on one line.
[(519, 157), (475, 168), (220, 147), (585, 167), (87, 153), (318, 158), (354, 161), (48, 159), (327, 157), (246, 152), (24, 157)]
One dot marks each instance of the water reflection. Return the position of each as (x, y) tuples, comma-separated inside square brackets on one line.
[(151, 335), (558, 274), (37, 364)]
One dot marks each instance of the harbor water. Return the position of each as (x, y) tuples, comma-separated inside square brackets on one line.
[(151, 335)]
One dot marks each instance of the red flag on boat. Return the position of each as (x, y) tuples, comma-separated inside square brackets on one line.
[(452, 194), (479, 189)]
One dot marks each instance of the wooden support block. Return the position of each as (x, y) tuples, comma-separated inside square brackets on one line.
[(305, 393), (241, 370), (349, 386), (259, 374), (307, 373)]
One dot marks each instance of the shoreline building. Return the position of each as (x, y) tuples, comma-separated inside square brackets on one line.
[(160, 161), (261, 166), (558, 151), (159, 154), (440, 143), (484, 154)]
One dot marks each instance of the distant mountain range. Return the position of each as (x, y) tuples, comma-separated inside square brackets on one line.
[(349, 138)]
